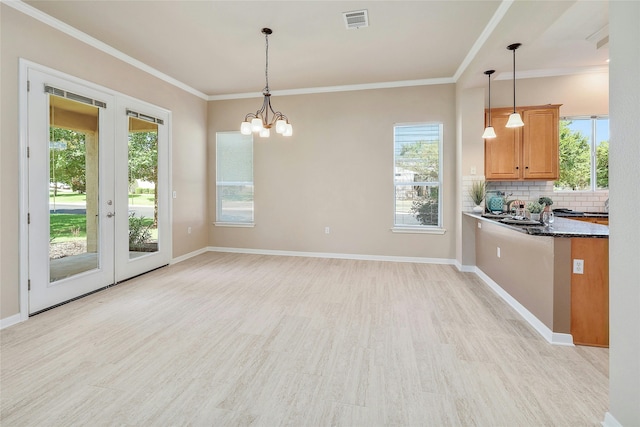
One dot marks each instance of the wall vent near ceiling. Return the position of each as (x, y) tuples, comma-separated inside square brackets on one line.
[(600, 38), (356, 19)]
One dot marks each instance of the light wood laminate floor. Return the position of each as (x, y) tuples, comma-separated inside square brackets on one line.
[(235, 339)]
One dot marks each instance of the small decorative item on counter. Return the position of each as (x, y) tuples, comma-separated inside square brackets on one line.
[(507, 205), (534, 209), (495, 204), (516, 207), (477, 193), (545, 202)]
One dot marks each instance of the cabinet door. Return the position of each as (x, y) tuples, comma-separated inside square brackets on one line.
[(590, 292), (502, 153), (540, 148)]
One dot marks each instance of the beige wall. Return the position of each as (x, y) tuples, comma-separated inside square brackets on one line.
[(579, 94), (336, 171), (22, 36), (532, 269)]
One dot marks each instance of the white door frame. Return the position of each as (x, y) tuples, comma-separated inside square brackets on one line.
[(44, 293), (23, 183)]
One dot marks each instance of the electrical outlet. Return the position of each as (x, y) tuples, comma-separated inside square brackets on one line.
[(188, 230), (473, 170), (578, 266), (175, 194), (498, 251), (479, 224), (326, 230)]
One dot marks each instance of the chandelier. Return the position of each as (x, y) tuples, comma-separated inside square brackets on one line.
[(259, 121)]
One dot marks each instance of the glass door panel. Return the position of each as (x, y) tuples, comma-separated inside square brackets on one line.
[(143, 194), (73, 188), (70, 189)]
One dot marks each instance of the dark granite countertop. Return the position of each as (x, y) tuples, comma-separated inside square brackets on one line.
[(574, 214), (560, 228)]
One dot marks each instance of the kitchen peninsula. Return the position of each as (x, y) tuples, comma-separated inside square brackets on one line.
[(556, 277)]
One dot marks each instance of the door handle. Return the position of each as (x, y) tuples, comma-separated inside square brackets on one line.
[(111, 214)]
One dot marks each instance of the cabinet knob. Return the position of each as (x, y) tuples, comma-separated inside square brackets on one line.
[(526, 167), (517, 167)]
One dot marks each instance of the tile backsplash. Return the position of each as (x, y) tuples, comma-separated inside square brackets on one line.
[(582, 201)]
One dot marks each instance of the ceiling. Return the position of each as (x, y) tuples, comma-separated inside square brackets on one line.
[(216, 47)]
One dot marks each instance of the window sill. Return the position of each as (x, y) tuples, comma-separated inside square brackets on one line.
[(419, 230), (235, 224)]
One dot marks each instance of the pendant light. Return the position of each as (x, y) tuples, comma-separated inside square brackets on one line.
[(259, 122), (515, 120), (489, 132)]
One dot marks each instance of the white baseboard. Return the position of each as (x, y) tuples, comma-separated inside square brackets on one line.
[(420, 260), (11, 320), (610, 421), (541, 328), (187, 256), (465, 268)]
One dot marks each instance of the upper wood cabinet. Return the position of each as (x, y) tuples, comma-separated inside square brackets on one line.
[(528, 152)]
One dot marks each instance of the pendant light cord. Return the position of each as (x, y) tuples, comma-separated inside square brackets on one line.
[(488, 73), (514, 79), (489, 100)]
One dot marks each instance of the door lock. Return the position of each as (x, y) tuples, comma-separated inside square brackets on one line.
[(111, 214)]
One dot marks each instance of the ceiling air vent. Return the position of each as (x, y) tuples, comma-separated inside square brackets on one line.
[(356, 19)]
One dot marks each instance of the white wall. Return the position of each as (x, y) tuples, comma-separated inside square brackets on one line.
[(624, 178)]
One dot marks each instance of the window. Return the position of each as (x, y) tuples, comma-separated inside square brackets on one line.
[(417, 168), (584, 154), (234, 178)]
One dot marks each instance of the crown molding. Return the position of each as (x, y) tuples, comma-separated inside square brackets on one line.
[(482, 39), (552, 72), (93, 42), (328, 89)]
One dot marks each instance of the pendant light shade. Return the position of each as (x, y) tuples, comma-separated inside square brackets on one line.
[(489, 132), (514, 119)]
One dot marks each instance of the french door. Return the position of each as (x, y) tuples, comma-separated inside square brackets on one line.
[(97, 188)]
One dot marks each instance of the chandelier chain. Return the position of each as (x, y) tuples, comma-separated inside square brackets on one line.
[(266, 65)]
